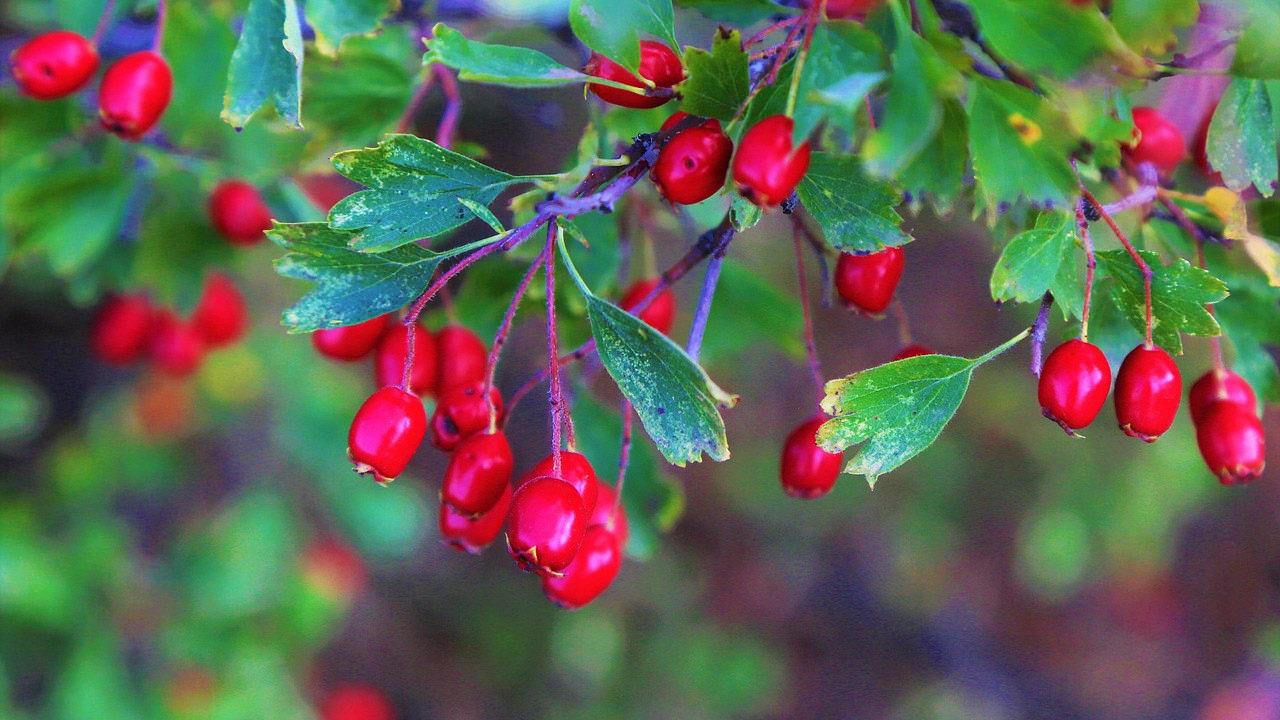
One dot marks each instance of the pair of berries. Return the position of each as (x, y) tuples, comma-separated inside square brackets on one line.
[(239, 213), (1155, 140), (1075, 380), (1229, 432), (868, 281), (451, 358)]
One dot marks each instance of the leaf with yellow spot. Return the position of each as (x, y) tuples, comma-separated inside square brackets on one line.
[(1230, 209)]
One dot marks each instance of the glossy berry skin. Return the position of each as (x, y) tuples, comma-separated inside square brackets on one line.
[(477, 474), (610, 513), (351, 342), (386, 432), (546, 524), (1074, 383), (54, 64), (807, 471), (1156, 140), (767, 168), (239, 213), (220, 315), (472, 535), (463, 357), (850, 9), (461, 413), (692, 165), (659, 314), (1218, 385), (868, 281), (576, 470), (1148, 391), (913, 350), (134, 93), (388, 360), (658, 63), (356, 702), (176, 347), (1232, 442), (121, 331), (590, 572)]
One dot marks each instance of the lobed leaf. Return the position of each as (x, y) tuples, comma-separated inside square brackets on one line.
[(1241, 144), (717, 82), (1031, 262), (1179, 293), (267, 64), (496, 64), (856, 213), (336, 20), (1019, 145)]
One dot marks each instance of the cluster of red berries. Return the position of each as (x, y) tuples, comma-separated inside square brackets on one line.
[(1229, 432)]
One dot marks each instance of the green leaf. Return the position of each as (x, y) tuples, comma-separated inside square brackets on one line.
[(22, 409), (177, 245), (1049, 36), (1068, 285), (1179, 293), (197, 44), (335, 20), (1030, 263), (1258, 50), (738, 12), (614, 28), (1019, 145), (267, 64), (848, 93), (1248, 321), (496, 64), (1242, 137), (1148, 25), (95, 680), (354, 99), (717, 81), (750, 313), (855, 212), (743, 213), (938, 172)]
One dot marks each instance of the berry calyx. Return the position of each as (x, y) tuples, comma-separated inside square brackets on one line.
[(121, 330), (767, 167), (576, 470), (1155, 140), (463, 412), (356, 702), (176, 347), (807, 471), (546, 524), (477, 473), (609, 513), (868, 281), (1216, 385), (134, 93), (393, 347), (463, 357), (386, 432), (351, 342), (472, 535), (590, 572), (1073, 384), (239, 213), (692, 165), (220, 315), (913, 350), (659, 314), (54, 64), (1148, 390), (658, 63), (1232, 442)]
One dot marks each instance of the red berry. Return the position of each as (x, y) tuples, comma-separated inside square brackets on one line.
[(351, 342), (807, 471), (911, 351), (1074, 383), (356, 702), (590, 572), (239, 213), (546, 524), (386, 432), (461, 413), (1218, 385), (388, 362), (134, 94), (463, 357), (478, 471), (54, 64), (1148, 390), (868, 281), (1232, 442), (610, 513), (576, 470), (658, 63), (334, 569), (659, 314), (121, 330), (768, 167), (691, 166), (220, 316), (473, 534), (1155, 140), (176, 347), (849, 9)]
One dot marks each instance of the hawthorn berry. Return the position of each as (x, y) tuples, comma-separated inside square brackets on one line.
[(477, 473), (54, 64), (1219, 384), (576, 470), (239, 213), (1148, 390), (393, 347), (462, 412), (849, 9), (1232, 442), (473, 534), (658, 63), (1155, 140), (545, 525), (692, 165), (134, 94), (220, 315), (590, 572), (356, 702), (609, 512), (659, 314), (768, 166), (868, 281), (176, 347), (121, 330), (913, 350), (1074, 383), (386, 432), (351, 342), (807, 471), (463, 357)]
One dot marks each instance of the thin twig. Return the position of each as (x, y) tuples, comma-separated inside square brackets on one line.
[(1133, 253), (162, 17), (1142, 196), (556, 397), (104, 22), (771, 29), (452, 106), (810, 343), (500, 337), (1038, 330), (624, 452), (703, 311), (1090, 267)]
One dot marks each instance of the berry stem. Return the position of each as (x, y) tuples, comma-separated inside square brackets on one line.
[(703, 312), (1133, 253), (500, 337), (1038, 330), (553, 351), (810, 345), (816, 11), (771, 29), (1090, 268), (162, 17), (104, 22), (904, 323), (624, 452)]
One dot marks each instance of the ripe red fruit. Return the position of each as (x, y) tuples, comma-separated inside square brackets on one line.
[(473, 534), (1074, 383), (220, 316), (134, 94), (610, 513), (1232, 442), (176, 347), (590, 572), (850, 9), (691, 166), (807, 471), (356, 702), (478, 471), (351, 342), (122, 328), (386, 432), (768, 167), (658, 63), (576, 470), (1148, 390), (911, 351), (546, 524), (463, 357), (868, 281), (1218, 385), (1155, 140), (239, 213), (388, 362), (463, 412), (659, 314), (54, 64)]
